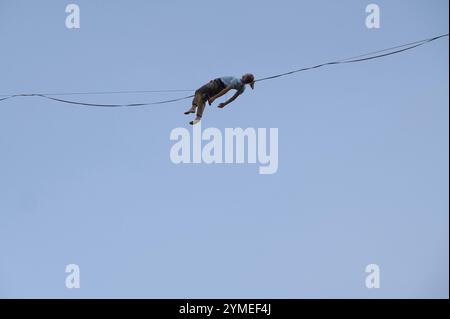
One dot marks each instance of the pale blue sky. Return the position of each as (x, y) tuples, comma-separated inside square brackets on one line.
[(363, 152)]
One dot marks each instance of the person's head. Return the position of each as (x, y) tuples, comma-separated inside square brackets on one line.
[(249, 78)]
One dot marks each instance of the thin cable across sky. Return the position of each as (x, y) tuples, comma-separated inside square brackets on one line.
[(360, 58)]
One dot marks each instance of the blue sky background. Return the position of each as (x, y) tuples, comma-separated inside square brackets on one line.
[(363, 152)]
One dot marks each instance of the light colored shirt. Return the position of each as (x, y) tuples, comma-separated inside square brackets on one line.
[(234, 83)]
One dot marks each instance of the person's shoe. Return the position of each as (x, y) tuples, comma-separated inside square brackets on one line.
[(190, 111), (195, 121)]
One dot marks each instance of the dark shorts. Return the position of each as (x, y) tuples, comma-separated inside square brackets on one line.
[(210, 89)]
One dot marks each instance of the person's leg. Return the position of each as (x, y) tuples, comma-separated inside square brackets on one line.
[(197, 97), (199, 102), (200, 108), (210, 89)]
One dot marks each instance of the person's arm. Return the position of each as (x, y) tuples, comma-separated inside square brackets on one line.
[(230, 100), (220, 94)]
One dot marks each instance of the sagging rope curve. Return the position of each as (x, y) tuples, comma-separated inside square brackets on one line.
[(356, 59)]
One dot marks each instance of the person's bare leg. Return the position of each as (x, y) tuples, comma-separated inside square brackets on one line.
[(196, 101), (191, 110), (196, 120), (200, 109)]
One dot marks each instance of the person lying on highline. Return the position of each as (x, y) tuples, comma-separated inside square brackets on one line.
[(217, 88)]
